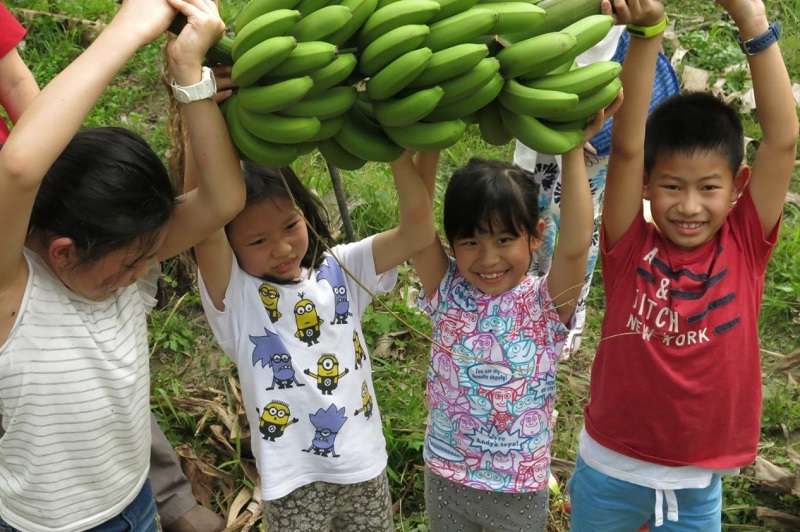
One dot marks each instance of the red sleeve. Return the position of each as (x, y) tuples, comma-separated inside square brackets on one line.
[(11, 31), (618, 259), (747, 230)]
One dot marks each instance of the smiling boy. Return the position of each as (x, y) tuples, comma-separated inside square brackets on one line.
[(676, 385)]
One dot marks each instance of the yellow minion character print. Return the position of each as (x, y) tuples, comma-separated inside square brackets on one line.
[(269, 297), (359, 350), (307, 320), (366, 401), (274, 420), (327, 374)]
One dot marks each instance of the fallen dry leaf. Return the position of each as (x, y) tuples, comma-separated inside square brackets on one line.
[(695, 79)]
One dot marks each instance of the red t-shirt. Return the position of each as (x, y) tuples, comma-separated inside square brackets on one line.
[(677, 379), (11, 33)]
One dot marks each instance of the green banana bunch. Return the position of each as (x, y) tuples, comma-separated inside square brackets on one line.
[(412, 74)]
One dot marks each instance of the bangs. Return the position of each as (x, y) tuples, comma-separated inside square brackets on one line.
[(489, 203)]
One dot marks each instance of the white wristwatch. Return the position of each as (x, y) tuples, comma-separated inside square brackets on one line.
[(202, 90)]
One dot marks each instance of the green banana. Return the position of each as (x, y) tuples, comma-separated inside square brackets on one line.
[(515, 16), (362, 10), (261, 59), (305, 147), (332, 74), (564, 67), (451, 62), (338, 156), (272, 24), (321, 23), (363, 110), (305, 59), (459, 87), (251, 147), (448, 8), (589, 104), (560, 14), (589, 31), (533, 56), (538, 136), (279, 129), (535, 102), (333, 102), (398, 74), (306, 7), (469, 104), (408, 110), (276, 96), (463, 27), (428, 136), (491, 126), (384, 3), (328, 128), (395, 15), (256, 8), (390, 46), (366, 141), (580, 81)]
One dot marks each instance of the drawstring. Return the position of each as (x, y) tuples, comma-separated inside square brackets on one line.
[(672, 506)]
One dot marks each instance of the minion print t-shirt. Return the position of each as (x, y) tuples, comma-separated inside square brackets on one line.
[(491, 384), (304, 370)]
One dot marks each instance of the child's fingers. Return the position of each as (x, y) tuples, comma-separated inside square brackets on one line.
[(623, 13), (221, 96), (612, 109)]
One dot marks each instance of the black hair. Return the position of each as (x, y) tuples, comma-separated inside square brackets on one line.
[(694, 122), (484, 193), (264, 182), (105, 191)]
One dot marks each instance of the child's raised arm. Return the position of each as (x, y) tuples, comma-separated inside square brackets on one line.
[(565, 280), (415, 230), (54, 116), (772, 168), (430, 261), (623, 194), (219, 195)]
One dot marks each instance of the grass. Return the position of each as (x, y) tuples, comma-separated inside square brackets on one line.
[(192, 387)]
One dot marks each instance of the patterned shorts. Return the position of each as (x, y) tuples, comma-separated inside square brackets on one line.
[(322, 507), (454, 507)]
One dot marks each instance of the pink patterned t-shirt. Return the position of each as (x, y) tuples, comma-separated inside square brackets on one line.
[(491, 384)]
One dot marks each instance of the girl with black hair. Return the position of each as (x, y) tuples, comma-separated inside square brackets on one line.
[(287, 309), (84, 218), (497, 332)]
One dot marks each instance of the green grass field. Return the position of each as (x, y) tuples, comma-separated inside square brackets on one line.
[(194, 389)]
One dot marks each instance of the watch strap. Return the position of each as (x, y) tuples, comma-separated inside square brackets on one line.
[(646, 32), (759, 43), (202, 90)]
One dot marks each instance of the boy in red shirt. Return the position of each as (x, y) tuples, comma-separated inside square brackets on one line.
[(676, 384)]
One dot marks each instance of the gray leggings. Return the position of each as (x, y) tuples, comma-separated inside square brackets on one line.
[(453, 507)]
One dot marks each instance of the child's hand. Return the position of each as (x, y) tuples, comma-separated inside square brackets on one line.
[(225, 85), (145, 19), (750, 16), (204, 27), (639, 12), (597, 121)]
